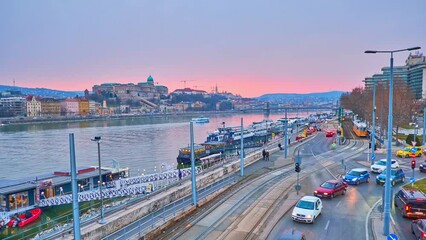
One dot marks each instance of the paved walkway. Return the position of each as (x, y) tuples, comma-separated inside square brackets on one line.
[(376, 222)]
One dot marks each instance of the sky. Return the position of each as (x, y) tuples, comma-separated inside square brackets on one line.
[(243, 46)]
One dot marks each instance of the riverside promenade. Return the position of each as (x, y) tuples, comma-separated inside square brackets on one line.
[(176, 191)]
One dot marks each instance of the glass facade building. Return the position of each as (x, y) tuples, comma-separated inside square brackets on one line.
[(413, 73)]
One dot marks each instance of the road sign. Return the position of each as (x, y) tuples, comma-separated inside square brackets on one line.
[(392, 237), (413, 143), (412, 180), (297, 187), (373, 157), (413, 150)]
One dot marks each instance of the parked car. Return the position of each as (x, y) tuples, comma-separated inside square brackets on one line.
[(329, 134), (292, 234), (331, 188), (357, 176), (411, 203), (397, 175), (406, 152), (418, 228), (307, 209), (299, 137), (380, 166)]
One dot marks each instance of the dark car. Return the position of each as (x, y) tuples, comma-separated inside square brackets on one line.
[(397, 175), (331, 188), (418, 228), (411, 203), (422, 167), (292, 234)]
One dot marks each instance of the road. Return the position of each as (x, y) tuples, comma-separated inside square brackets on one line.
[(344, 217)]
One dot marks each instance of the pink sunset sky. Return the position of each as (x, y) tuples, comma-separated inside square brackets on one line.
[(245, 47)]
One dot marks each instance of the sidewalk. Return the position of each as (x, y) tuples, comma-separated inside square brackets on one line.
[(375, 220)]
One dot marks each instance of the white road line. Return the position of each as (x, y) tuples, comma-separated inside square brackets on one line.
[(337, 205), (326, 226), (392, 219)]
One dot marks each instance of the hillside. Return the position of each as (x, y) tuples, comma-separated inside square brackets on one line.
[(43, 92)]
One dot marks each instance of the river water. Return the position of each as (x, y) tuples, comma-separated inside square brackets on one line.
[(142, 144)]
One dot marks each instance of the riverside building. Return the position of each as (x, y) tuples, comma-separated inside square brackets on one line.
[(413, 73)]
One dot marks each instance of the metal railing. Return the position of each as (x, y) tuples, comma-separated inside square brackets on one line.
[(149, 222)]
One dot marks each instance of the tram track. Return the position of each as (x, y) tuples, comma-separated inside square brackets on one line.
[(269, 183)]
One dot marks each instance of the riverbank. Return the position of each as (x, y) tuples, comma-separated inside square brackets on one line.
[(62, 119)]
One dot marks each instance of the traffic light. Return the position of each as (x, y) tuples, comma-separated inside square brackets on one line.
[(297, 167), (413, 164)]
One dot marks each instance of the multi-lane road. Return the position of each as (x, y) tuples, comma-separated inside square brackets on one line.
[(344, 217)]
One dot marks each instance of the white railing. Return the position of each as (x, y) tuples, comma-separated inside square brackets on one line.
[(120, 188)]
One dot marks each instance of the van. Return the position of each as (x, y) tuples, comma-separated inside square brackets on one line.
[(411, 203)]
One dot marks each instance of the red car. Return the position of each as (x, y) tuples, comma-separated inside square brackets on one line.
[(329, 134), (299, 138), (331, 188)]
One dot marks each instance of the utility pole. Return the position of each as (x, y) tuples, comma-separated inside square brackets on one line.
[(193, 178), (75, 207)]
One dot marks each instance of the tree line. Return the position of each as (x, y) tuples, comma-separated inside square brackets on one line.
[(405, 107)]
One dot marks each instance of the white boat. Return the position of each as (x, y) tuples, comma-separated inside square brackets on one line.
[(246, 134), (201, 120)]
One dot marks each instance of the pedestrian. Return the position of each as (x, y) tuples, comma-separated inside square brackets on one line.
[(289, 141), (267, 156), (180, 176), (279, 146), (264, 154)]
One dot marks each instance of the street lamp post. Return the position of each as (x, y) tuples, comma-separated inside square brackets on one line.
[(424, 126), (373, 132), (97, 139), (389, 144)]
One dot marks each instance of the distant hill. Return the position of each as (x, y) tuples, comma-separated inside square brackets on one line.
[(42, 92), (296, 97)]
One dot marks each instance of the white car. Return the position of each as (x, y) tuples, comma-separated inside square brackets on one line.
[(380, 166), (307, 209)]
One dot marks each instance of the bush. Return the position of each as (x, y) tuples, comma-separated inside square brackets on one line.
[(410, 138)]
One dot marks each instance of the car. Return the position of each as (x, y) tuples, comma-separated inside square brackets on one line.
[(380, 166), (299, 137), (397, 175), (331, 188), (292, 234), (411, 203), (329, 134), (422, 166), (357, 176), (406, 152), (307, 209), (418, 228)]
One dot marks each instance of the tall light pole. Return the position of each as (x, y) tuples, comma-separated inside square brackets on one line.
[(373, 137), (285, 134), (424, 126), (389, 147), (97, 139)]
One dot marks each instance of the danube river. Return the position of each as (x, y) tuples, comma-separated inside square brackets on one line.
[(142, 144)]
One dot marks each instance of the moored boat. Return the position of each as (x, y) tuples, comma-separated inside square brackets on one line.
[(201, 120), (25, 218)]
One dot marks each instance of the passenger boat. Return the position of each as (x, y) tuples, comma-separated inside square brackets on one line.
[(201, 120), (184, 157), (226, 139), (25, 218)]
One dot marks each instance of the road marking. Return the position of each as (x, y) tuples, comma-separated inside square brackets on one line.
[(392, 219), (326, 226), (337, 205)]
